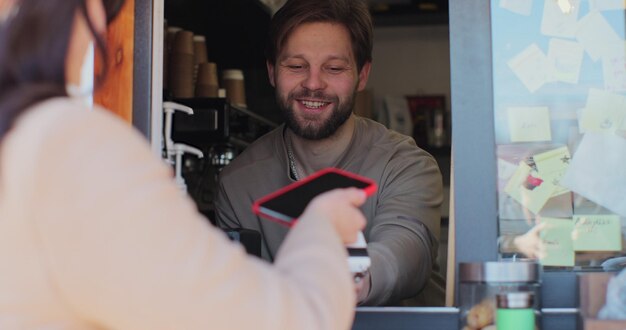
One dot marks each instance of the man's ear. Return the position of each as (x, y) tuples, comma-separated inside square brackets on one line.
[(270, 72), (364, 75)]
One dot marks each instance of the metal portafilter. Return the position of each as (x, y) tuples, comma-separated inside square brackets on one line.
[(221, 154)]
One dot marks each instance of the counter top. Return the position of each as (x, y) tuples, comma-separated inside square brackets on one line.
[(442, 318)]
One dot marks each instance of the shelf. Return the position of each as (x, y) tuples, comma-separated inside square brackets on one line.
[(409, 18), (414, 12)]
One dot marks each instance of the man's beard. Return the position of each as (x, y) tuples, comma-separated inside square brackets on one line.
[(319, 129)]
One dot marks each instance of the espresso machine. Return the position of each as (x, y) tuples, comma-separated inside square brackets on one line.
[(208, 130), (218, 131)]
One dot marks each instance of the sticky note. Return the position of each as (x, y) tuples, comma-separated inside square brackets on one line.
[(597, 171), (567, 57), (604, 112), (597, 36), (532, 67), (614, 71), (557, 240), (601, 5), (529, 124), (528, 189), (597, 232), (560, 18), (551, 165), (522, 7)]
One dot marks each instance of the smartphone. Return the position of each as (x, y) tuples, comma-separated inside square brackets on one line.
[(287, 204)]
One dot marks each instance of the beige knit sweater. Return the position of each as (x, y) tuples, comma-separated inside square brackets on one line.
[(94, 234)]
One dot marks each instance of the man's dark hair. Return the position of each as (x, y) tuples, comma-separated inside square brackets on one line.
[(33, 49), (353, 14)]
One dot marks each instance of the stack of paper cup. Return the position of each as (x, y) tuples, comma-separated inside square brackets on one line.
[(199, 54), (206, 84), (235, 88), (181, 65), (170, 33)]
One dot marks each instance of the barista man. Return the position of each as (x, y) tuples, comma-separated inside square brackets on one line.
[(319, 55)]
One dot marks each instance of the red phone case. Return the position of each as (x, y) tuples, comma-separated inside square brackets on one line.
[(370, 189)]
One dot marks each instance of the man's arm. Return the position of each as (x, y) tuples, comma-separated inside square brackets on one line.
[(224, 210), (402, 239)]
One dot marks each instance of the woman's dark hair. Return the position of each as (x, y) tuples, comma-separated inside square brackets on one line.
[(353, 14), (33, 49)]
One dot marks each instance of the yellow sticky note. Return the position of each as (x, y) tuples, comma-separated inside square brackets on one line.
[(528, 189), (596, 35), (567, 57), (560, 18), (557, 240), (614, 70), (551, 165), (529, 124), (597, 232), (522, 7), (605, 112), (601, 5), (532, 67)]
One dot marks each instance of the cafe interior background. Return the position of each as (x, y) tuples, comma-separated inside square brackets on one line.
[(519, 93), (408, 89)]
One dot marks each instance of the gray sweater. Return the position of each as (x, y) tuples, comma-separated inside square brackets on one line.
[(403, 216)]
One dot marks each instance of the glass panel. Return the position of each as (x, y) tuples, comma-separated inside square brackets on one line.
[(560, 125)]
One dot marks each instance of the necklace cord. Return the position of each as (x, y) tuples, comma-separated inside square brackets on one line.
[(293, 170)]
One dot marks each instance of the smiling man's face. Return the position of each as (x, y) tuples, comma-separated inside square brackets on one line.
[(316, 79)]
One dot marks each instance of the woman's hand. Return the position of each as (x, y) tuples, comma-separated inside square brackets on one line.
[(340, 207)]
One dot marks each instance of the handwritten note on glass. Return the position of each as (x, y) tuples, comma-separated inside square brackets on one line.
[(528, 189), (532, 67), (567, 57), (597, 36), (551, 165), (604, 112), (559, 111), (559, 20), (529, 124), (597, 232), (614, 71), (557, 240)]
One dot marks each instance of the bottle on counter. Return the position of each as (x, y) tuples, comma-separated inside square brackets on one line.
[(515, 311), (481, 284)]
